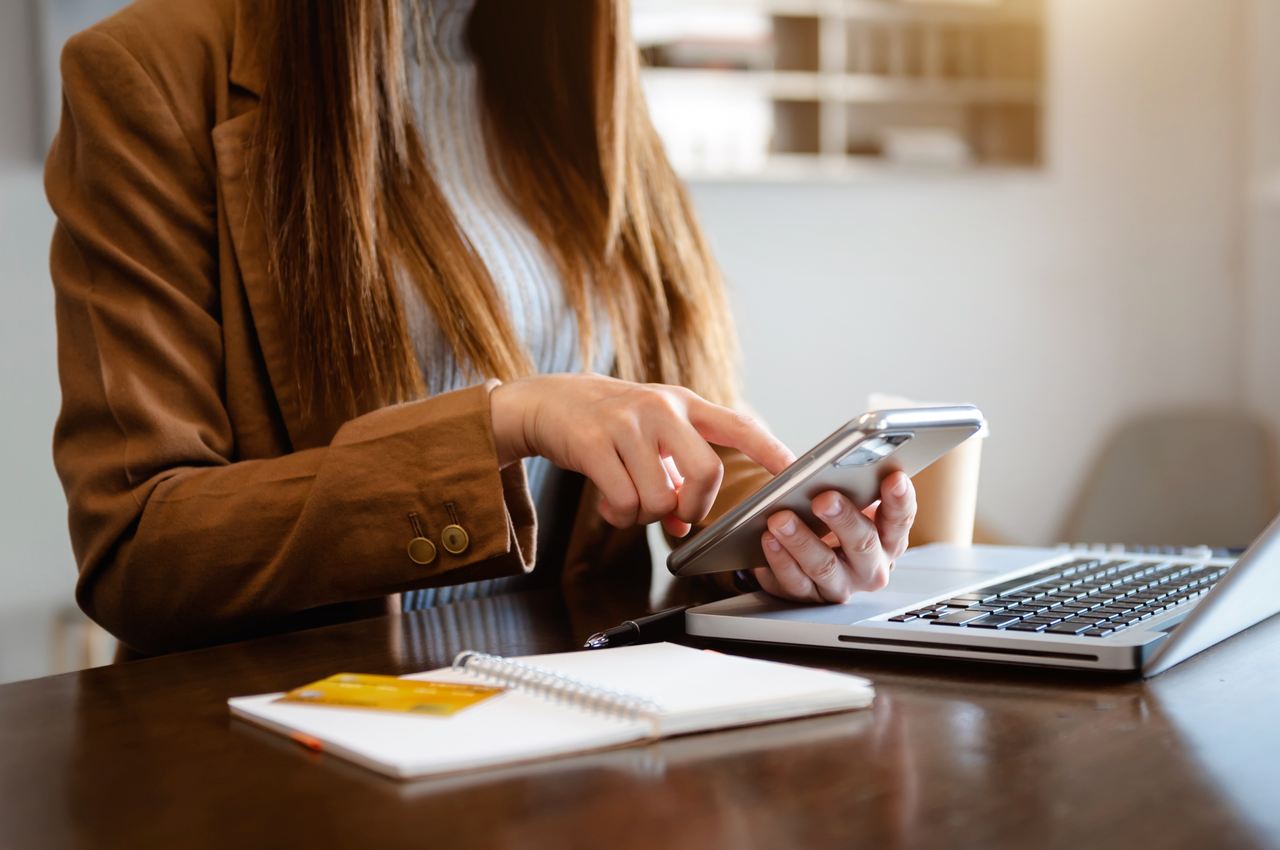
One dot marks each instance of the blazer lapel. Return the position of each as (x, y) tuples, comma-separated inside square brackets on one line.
[(232, 142)]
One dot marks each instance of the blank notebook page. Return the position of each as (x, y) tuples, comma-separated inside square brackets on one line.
[(700, 689), (511, 727), (694, 689)]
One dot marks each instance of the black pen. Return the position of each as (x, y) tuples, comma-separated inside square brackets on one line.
[(656, 626)]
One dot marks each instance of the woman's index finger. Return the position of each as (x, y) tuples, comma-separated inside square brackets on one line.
[(741, 431)]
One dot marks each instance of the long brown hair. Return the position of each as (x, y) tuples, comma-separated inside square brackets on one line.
[(350, 203)]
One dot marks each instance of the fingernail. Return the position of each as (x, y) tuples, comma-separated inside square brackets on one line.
[(834, 507), (772, 543), (788, 528), (900, 488)]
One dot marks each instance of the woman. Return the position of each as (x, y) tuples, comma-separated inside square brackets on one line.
[(326, 273)]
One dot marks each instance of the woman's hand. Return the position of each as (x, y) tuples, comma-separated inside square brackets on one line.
[(646, 447), (856, 555)]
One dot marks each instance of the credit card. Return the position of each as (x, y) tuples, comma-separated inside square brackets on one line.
[(389, 693)]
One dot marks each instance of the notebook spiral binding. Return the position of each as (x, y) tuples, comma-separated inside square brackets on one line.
[(544, 683)]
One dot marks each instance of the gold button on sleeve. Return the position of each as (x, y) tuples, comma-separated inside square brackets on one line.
[(454, 539), (422, 551)]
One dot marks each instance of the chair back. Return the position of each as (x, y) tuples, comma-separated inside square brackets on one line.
[(1179, 478)]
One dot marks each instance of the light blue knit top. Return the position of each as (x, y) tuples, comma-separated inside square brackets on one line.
[(450, 112)]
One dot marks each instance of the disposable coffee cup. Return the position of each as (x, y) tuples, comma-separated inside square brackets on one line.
[(947, 489)]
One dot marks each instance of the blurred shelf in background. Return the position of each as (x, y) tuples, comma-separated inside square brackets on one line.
[(795, 89)]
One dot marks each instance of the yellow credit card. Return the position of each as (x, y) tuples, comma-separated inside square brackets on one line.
[(389, 693)]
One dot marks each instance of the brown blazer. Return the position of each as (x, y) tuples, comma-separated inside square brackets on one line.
[(204, 505)]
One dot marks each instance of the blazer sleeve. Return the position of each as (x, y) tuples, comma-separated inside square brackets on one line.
[(178, 542)]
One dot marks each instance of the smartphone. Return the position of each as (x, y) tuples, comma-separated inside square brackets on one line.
[(853, 461)]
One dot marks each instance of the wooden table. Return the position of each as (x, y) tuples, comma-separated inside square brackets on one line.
[(145, 755)]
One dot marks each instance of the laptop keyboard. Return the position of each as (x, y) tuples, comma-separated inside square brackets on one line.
[(1093, 597)]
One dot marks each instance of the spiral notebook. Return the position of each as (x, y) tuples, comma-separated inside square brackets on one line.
[(557, 705)]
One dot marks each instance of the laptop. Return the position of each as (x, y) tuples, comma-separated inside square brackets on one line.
[(1082, 608)]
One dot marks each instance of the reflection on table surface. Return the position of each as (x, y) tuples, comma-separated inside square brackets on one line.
[(145, 754)]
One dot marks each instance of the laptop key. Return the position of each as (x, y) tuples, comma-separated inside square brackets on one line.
[(964, 600), (992, 621), (1015, 584), (1099, 632), (1069, 627), (903, 618), (1027, 627), (959, 618)]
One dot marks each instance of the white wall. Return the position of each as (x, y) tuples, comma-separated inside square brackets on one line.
[(36, 568), (1060, 301)]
